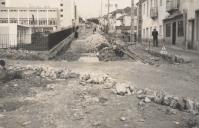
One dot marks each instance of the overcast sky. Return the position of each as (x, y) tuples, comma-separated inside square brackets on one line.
[(92, 8), (86, 8)]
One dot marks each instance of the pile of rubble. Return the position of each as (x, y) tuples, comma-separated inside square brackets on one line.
[(145, 95), (107, 54), (45, 72), (162, 98), (99, 79), (170, 57), (95, 41), (21, 54)]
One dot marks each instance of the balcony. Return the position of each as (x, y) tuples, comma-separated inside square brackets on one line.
[(154, 12), (172, 5)]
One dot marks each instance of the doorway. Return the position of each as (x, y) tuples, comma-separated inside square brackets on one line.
[(190, 45), (197, 25), (174, 33)]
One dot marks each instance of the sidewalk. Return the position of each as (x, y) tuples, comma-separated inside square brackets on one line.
[(187, 55)]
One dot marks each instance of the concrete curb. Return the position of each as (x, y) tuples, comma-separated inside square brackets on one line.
[(172, 58)]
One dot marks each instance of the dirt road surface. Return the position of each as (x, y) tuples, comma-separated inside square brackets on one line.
[(67, 104)]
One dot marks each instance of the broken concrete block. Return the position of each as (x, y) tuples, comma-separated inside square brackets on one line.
[(174, 103), (132, 88), (147, 100), (140, 92), (85, 77), (141, 96), (122, 118), (191, 106), (170, 111), (121, 89), (193, 122), (159, 97), (167, 100)]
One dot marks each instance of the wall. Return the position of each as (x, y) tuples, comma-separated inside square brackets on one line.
[(68, 13), (180, 40), (191, 7), (148, 23), (8, 35), (23, 35)]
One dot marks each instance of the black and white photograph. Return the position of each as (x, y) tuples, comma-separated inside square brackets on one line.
[(99, 63)]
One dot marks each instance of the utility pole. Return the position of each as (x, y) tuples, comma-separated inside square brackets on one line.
[(101, 8), (108, 20), (132, 21)]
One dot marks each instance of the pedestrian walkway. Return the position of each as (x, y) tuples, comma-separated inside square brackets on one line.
[(192, 55), (188, 54)]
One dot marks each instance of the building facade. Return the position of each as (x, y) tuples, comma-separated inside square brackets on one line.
[(150, 16), (182, 25), (39, 19), (63, 11)]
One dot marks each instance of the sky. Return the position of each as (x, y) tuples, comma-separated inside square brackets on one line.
[(86, 8), (92, 8)]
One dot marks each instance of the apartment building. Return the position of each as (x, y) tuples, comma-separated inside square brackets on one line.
[(182, 25), (60, 12), (150, 16), (39, 19)]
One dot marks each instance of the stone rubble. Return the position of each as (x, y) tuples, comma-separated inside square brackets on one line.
[(104, 80), (21, 54), (158, 97), (45, 72), (193, 122), (95, 41)]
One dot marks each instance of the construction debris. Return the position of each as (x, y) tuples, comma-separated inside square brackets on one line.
[(22, 54), (95, 42), (45, 72)]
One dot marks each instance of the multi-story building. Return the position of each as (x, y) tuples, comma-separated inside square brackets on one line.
[(182, 25), (62, 11), (19, 20), (39, 19), (150, 16)]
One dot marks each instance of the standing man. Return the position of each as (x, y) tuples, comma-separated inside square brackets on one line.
[(155, 37), (3, 72)]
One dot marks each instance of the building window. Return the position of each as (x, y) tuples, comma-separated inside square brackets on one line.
[(144, 33), (180, 28), (3, 20), (13, 10), (61, 15), (61, 10), (61, 4), (147, 32), (147, 8), (33, 10), (143, 9), (160, 30), (3, 3), (168, 30), (160, 2)]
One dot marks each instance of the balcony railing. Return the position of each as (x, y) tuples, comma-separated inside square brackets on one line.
[(154, 12), (172, 5)]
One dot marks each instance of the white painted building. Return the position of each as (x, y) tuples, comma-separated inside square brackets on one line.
[(65, 11), (39, 19), (12, 34), (182, 24), (153, 13)]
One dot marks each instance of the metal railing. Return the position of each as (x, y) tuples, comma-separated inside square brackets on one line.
[(57, 37), (38, 41)]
